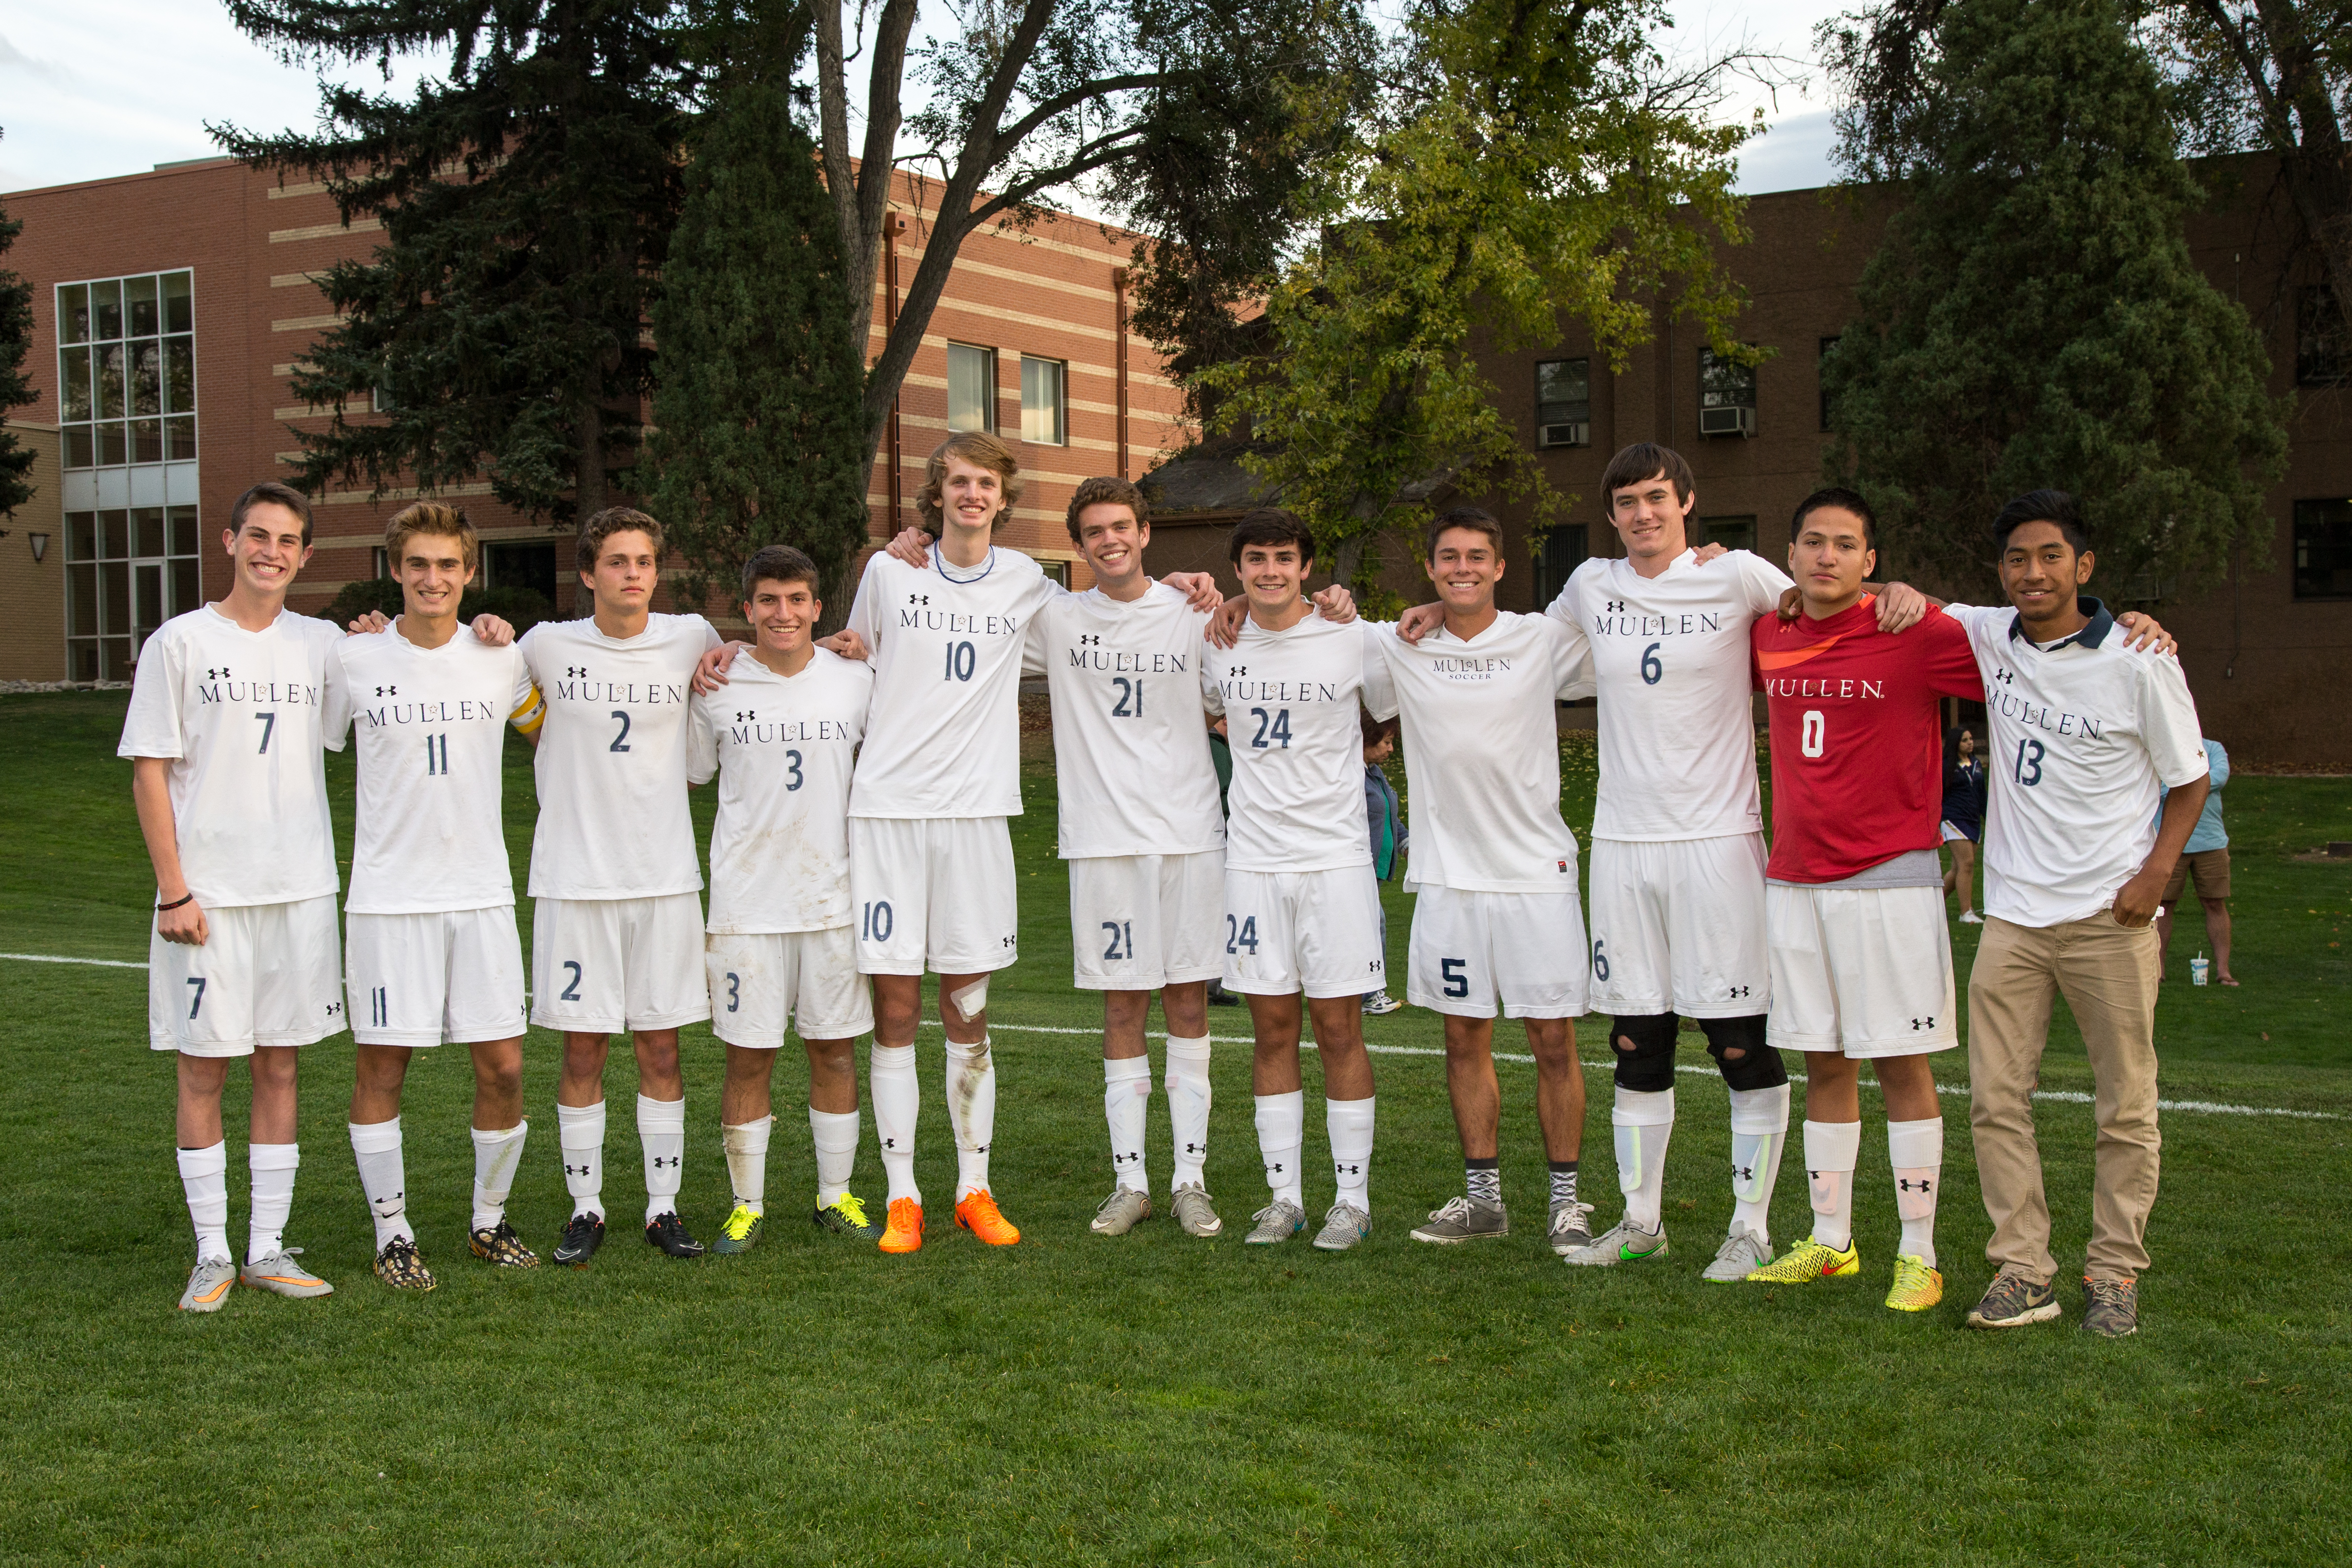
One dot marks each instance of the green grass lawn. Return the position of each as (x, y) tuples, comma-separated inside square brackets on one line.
[(1151, 1399)]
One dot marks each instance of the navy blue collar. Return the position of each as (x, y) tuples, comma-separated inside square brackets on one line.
[(2091, 636)]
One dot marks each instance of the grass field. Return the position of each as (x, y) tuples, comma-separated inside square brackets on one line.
[(1151, 1399)]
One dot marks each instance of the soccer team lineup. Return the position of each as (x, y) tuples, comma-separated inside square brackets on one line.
[(1224, 827)]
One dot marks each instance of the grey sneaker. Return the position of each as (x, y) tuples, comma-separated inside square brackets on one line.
[(2012, 1301), (1463, 1219), (208, 1285), (1569, 1228), (280, 1273), (1741, 1251), (1194, 1212), (2110, 1308), (1344, 1226), (1379, 1004), (1121, 1212), (1278, 1221), (1623, 1242)]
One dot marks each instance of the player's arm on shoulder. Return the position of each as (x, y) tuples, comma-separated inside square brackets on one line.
[(911, 545), (372, 622), (1335, 603), (492, 631), (1199, 590), (2142, 634), (1900, 606), (1420, 621), (710, 670), (1224, 627)]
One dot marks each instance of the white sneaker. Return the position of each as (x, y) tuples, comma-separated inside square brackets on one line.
[(281, 1274), (1623, 1242), (208, 1285), (1970, 918), (1742, 1252), (1569, 1228)]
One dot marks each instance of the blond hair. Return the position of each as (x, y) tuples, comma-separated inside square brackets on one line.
[(982, 451), (430, 517)]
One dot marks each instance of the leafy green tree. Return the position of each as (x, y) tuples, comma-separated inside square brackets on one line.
[(527, 200), (15, 339), (2034, 316)]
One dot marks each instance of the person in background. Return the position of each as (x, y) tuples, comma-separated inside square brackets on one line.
[(1964, 802), (2206, 860), (1386, 823)]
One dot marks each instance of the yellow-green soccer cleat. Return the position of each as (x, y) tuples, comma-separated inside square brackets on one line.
[(845, 1215), (1916, 1286), (1808, 1261), (740, 1230)]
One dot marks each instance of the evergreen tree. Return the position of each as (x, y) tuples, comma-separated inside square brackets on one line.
[(526, 201), (15, 339), (758, 430), (2034, 316)]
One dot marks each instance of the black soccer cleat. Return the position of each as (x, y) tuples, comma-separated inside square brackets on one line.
[(581, 1237), (668, 1233)]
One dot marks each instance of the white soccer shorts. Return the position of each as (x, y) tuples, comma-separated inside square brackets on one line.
[(934, 893), (1864, 971), (1469, 949), (268, 975), (758, 979), (1316, 932), (1678, 927), (418, 980), (1141, 921), (602, 965)]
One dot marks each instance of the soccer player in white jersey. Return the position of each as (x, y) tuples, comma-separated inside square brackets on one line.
[(225, 737), (616, 926), (1302, 911), (433, 953), (1497, 918), (782, 737)]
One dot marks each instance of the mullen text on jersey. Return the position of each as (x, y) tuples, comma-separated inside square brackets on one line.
[(458, 712), (1278, 690), (969, 625), (1117, 663), (753, 733), (223, 690), (624, 692), (2009, 705), (1620, 626), (1787, 687)]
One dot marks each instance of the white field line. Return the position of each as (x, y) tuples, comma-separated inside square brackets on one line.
[(1954, 1090)]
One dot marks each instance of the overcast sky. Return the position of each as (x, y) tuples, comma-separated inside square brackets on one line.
[(102, 87)]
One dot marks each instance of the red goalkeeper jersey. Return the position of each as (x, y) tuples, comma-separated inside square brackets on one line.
[(1857, 737)]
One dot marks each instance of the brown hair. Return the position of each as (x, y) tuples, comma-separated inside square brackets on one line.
[(979, 448), (602, 525), (1272, 525), (431, 517), (1375, 730), (271, 492), (778, 563), (1478, 519), (1105, 490), (1645, 460)]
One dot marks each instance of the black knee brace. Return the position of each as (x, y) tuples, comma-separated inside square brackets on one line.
[(1758, 1064), (1647, 1065)]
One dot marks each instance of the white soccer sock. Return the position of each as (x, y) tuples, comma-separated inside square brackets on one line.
[(1642, 1122), (1349, 1124), (1188, 1109), (203, 1176), (273, 1166), (1916, 1150), (835, 1133), (497, 1155), (747, 1160), (971, 1111), (1126, 1090), (1759, 1130), (1281, 1129), (376, 1147), (897, 1099), (580, 1128), (661, 1128), (1832, 1151)]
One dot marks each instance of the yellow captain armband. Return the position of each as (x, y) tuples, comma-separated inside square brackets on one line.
[(528, 718)]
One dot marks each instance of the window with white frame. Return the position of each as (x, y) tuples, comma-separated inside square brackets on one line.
[(971, 388), (1043, 387), (128, 570), (127, 370)]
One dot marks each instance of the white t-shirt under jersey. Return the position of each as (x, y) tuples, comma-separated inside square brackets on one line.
[(943, 739), (1290, 700), (239, 714), (1670, 663), (2085, 738), (784, 750), (1130, 748), (429, 835), (1482, 751), (613, 818)]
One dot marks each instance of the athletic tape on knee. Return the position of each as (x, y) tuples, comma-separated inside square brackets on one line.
[(972, 1000)]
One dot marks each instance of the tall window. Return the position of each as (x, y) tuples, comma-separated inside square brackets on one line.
[(127, 370), (1727, 395), (2323, 339), (127, 571), (1564, 550), (1564, 403), (2323, 550), (1043, 385), (1731, 533), (971, 388)]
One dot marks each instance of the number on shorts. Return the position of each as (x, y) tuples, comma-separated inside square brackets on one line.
[(792, 760), (962, 660), (572, 992), (1600, 960), (436, 756), (1121, 933), (2029, 767), (269, 728), (620, 741), (1814, 732), (1653, 672), (198, 1000), (1457, 980), (1241, 935), (876, 922), (380, 1007), (734, 991)]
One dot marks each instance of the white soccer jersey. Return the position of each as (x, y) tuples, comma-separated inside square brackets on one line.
[(613, 818), (1131, 746), (1290, 700), (943, 738), (430, 834), (1669, 658), (784, 749), (240, 713), (2085, 737), (1482, 751)]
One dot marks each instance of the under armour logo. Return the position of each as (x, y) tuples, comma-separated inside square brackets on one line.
[(1906, 1186), (657, 1163), (1373, 965), (578, 1170), (1744, 1173), (918, 598), (1118, 1159), (1090, 639), (1923, 1023), (387, 692), (575, 671), (889, 1142), (2005, 676), (333, 1008), (746, 717), (1275, 1169), (1239, 670), (220, 674), (1196, 1148), (1615, 607), (1740, 991), (1340, 1170)]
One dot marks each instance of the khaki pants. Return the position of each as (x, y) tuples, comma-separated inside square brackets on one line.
[(2108, 973)]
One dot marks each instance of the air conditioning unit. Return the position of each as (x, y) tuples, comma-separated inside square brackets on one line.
[(1578, 434), (1726, 422)]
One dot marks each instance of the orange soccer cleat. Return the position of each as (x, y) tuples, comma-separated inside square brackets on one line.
[(904, 1231), (976, 1213)]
